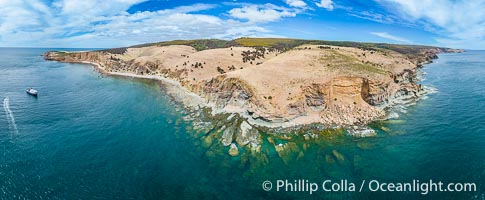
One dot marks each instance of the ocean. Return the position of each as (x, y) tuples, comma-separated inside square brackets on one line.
[(90, 136)]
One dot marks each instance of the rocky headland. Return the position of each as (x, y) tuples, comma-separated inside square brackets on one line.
[(255, 84)]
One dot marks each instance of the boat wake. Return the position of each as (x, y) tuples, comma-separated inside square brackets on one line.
[(10, 118)]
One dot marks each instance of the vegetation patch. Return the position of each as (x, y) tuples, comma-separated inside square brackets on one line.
[(282, 44), (62, 53), (340, 61), (115, 50), (198, 45), (266, 42)]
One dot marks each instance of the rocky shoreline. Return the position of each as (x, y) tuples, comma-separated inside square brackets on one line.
[(231, 108)]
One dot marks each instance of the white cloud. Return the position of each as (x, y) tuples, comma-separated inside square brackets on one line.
[(15, 11), (249, 31), (296, 3), (97, 23), (461, 23), (94, 7), (377, 17), (257, 14), (391, 37), (327, 4)]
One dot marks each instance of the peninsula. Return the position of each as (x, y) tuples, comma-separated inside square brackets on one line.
[(275, 82)]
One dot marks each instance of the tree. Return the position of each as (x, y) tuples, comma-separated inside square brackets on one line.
[(220, 70)]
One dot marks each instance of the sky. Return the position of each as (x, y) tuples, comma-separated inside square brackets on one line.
[(119, 23)]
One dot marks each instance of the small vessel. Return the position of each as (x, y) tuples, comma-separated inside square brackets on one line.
[(32, 92)]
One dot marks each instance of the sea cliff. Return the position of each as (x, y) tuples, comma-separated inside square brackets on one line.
[(275, 83)]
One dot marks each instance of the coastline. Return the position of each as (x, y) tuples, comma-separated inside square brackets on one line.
[(239, 110), (178, 92), (192, 101)]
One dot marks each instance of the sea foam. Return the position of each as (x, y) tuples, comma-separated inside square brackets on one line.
[(10, 117)]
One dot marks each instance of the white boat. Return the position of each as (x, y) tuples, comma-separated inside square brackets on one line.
[(32, 92)]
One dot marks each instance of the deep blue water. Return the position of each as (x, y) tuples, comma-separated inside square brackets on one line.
[(92, 137)]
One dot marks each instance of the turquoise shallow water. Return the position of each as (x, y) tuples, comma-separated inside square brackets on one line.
[(92, 137)]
